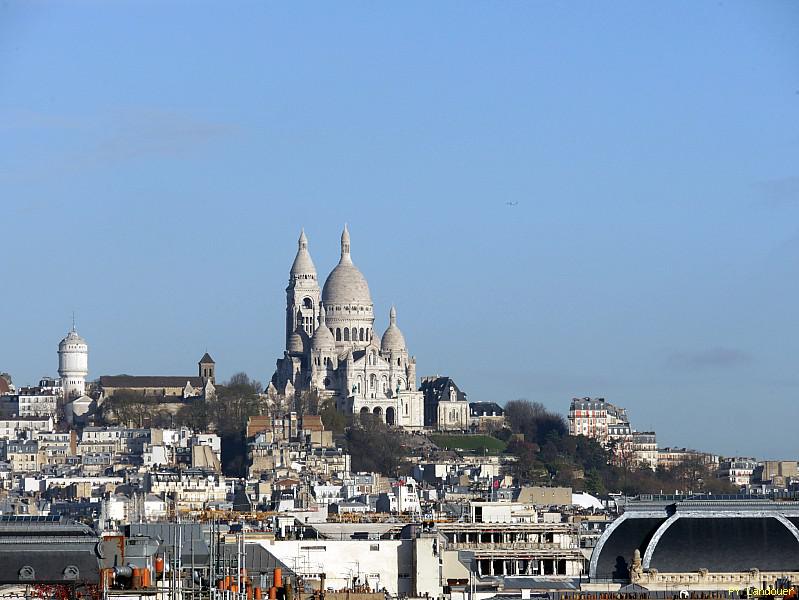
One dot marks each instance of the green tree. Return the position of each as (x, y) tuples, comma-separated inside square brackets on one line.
[(528, 468), (332, 419), (594, 484)]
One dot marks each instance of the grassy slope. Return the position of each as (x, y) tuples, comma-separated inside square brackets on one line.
[(476, 443)]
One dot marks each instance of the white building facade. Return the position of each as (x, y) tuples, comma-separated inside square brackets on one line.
[(38, 402), (332, 347), (599, 420)]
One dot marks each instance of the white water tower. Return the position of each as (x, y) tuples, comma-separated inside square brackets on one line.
[(73, 364)]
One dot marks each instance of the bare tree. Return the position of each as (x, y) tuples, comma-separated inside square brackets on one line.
[(307, 402), (534, 420)]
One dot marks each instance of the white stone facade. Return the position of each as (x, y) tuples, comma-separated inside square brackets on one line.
[(452, 414), (11, 428), (599, 420), (38, 402), (193, 490), (408, 568), (332, 347)]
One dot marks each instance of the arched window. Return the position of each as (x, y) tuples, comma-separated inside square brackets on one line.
[(354, 334), (360, 334), (338, 334), (346, 335), (307, 303), (373, 382)]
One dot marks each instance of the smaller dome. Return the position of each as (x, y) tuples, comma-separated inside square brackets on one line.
[(392, 338), (296, 343), (322, 338), (298, 339)]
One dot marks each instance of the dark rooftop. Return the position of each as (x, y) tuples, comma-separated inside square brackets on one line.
[(479, 409), (149, 381)]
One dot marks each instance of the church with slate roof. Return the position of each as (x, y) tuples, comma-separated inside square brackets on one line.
[(332, 347)]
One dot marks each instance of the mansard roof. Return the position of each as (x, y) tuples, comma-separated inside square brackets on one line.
[(486, 409), (437, 387), (46, 549)]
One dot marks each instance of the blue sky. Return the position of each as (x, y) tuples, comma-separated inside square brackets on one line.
[(157, 160)]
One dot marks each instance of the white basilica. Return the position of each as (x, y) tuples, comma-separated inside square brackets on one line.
[(332, 348)]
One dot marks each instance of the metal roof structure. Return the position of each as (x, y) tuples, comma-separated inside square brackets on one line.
[(47, 548), (721, 535)]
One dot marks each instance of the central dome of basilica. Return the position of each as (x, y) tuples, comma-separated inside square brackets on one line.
[(346, 284)]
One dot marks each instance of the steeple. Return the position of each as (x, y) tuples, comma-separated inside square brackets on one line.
[(303, 266), (322, 315), (345, 246), (302, 295), (392, 316), (207, 369)]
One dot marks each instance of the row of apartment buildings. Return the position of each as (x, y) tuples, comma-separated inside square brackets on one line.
[(609, 425)]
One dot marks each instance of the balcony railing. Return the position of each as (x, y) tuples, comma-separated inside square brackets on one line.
[(509, 546)]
